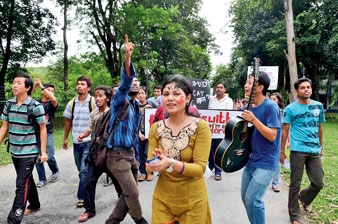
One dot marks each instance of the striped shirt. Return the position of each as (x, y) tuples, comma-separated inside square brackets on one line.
[(126, 134), (80, 119), (22, 138)]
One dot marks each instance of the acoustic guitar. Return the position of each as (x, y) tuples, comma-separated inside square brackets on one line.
[(234, 151)]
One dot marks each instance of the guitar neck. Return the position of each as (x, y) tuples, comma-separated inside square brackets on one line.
[(253, 91)]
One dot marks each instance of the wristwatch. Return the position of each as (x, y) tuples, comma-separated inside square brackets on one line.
[(43, 88), (322, 147), (171, 166)]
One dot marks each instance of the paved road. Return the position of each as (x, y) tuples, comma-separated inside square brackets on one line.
[(58, 199)]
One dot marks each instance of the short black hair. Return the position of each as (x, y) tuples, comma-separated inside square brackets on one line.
[(86, 79), (263, 79), (144, 89), (115, 85), (158, 87), (28, 81), (299, 81), (222, 83), (107, 91), (49, 85)]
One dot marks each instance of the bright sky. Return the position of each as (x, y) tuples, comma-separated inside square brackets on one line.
[(215, 11)]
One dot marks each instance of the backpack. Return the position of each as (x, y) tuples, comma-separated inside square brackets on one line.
[(72, 105), (32, 121), (98, 145)]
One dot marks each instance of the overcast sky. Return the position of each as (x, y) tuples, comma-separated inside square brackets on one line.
[(215, 11)]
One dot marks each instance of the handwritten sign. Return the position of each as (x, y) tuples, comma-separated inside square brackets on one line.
[(216, 119), (200, 94)]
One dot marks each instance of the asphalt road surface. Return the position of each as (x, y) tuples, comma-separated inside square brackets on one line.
[(58, 199)]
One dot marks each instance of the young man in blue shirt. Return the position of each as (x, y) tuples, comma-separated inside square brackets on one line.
[(305, 116), (265, 142), (123, 143)]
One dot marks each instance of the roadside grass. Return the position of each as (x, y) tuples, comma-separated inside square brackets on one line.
[(5, 158), (325, 205)]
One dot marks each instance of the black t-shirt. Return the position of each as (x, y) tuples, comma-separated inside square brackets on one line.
[(50, 113)]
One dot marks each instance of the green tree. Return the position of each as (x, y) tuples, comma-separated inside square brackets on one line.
[(26, 29)]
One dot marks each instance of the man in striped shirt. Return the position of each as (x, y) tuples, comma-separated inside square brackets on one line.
[(77, 115), (23, 144)]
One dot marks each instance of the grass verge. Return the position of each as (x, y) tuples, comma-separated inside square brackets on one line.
[(5, 158)]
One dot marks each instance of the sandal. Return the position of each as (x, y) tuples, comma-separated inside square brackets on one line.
[(41, 184), (55, 176), (306, 207), (150, 177), (30, 211), (275, 189), (108, 183), (80, 203), (84, 217), (218, 177), (142, 177)]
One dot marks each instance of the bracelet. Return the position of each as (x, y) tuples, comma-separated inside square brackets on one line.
[(182, 168)]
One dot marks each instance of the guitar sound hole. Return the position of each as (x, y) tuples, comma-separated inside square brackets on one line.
[(242, 136)]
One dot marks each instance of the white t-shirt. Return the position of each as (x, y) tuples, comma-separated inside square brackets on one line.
[(225, 103)]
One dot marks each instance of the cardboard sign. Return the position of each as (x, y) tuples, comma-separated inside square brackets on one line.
[(271, 71), (216, 119), (200, 94)]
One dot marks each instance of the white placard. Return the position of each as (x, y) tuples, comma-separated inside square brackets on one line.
[(271, 71), (216, 119)]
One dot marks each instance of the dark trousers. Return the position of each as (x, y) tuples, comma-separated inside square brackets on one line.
[(94, 174), (25, 189), (315, 173), (143, 153), (124, 167), (212, 165)]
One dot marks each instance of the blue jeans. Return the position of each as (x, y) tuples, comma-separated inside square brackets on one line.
[(255, 181), (81, 151), (276, 176), (51, 160), (214, 145)]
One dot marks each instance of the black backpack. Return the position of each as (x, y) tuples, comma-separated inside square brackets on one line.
[(32, 121), (98, 145)]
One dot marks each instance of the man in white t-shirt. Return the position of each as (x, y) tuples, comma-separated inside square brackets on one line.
[(219, 101)]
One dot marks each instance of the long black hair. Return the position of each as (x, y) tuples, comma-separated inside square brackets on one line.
[(182, 83), (279, 98)]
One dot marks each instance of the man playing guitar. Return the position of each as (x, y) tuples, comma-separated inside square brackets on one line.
[(265, 142)]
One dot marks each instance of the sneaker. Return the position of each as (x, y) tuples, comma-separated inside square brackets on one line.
[(41, 184), (55, 177)]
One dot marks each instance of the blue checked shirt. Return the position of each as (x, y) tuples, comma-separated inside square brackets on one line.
[(126, 134)]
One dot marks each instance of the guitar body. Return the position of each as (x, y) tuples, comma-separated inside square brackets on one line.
[(234, 151)]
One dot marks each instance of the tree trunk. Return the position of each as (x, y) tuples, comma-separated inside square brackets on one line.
[(291, 55), (65, 43), (6, 56)]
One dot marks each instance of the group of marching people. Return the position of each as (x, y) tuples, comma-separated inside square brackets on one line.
[(179, 145)]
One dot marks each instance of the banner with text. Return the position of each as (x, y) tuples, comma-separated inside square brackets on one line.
[(216, 119)]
